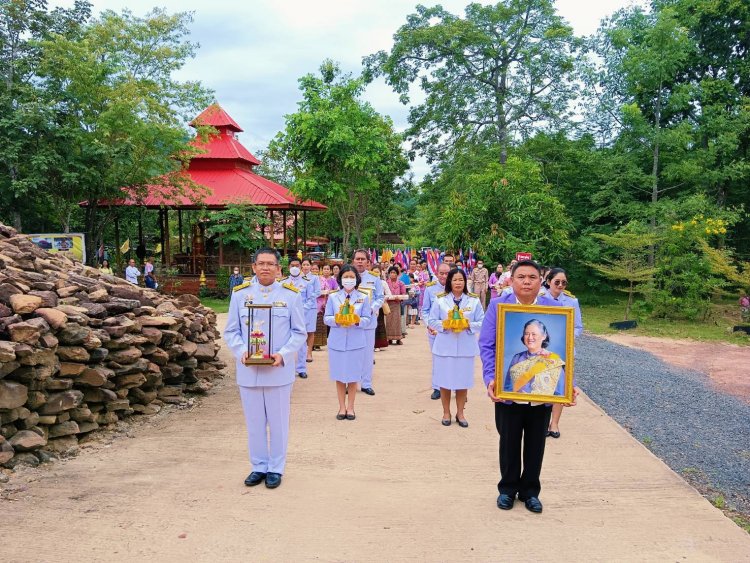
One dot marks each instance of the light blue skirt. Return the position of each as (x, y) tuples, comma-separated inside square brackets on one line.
[(346, 367), (451, 372), (311, 320)]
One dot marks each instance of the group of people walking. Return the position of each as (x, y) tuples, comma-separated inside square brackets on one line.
[(348, 301)]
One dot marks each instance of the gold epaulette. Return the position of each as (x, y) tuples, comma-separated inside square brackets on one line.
[(542, 292), (290, 287), (442, 294), (242, 286), (374, 273), (366, 290), (569, 294), (474, 295), (430, 284)]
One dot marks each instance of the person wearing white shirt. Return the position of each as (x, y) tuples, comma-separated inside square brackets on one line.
[(132, 273)]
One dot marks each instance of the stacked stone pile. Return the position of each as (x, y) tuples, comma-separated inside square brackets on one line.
[(80, 350)]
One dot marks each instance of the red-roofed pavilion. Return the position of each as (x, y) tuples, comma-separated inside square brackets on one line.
[(224, 168)]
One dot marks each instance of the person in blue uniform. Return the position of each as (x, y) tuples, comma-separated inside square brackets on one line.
[(265, 390), (557, 281), (522, 426), (431, 290), (311, 314), (347, 342), (306, 289), (453, 352), (373, 286)]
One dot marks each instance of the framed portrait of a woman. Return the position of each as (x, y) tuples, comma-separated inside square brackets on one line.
[(534, 360)]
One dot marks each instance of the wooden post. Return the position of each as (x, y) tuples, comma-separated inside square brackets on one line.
[(179, 223), (283, 218), (296, 233), (161, 235), (140, 228), (221, 252), (118, 255), (304, 232), (272, 241), (166, 237)]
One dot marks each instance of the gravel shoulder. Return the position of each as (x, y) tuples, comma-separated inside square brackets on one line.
[(680, 414)]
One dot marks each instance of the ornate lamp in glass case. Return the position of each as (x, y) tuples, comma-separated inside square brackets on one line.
[(259, 334)]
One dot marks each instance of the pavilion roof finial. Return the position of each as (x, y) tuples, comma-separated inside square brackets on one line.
[(215, 116)]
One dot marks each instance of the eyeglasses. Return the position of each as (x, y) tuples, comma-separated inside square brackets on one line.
[(562, 283), (266, 265)]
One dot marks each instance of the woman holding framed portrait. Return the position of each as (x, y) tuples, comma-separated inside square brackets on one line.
[(457, 317)]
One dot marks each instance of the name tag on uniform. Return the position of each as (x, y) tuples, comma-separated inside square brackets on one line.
[(360, 301), (279, 303), (467, 309), (248, 302)]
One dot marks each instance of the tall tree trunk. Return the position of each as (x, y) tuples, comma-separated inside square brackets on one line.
[(655, 174)]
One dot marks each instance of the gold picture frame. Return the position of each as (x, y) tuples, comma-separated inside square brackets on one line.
[(534, 374)]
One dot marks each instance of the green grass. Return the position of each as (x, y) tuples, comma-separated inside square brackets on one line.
[(218, 305), (596, 319)]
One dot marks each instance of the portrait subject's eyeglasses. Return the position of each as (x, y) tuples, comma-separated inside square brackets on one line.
[(562, 283)]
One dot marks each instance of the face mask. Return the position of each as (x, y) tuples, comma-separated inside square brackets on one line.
[(294, 271), (480, 265), (349, 283)]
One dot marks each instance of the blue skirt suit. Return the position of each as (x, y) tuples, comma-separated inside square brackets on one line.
[(453, 353), (347, 345)]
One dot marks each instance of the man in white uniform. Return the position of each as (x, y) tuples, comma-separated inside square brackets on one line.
[(373, 286), (430, 295), (266, 390)]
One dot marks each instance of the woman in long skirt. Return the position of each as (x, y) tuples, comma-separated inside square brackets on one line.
[(455, 348), (393, 319), (347, 339), (381, 337), (328, 285)]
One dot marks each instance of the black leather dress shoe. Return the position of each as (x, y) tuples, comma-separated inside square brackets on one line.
[(273, 480), (368, 390), (302, 375), (533, 504), (505, 502), (255, 478), (435, 394)]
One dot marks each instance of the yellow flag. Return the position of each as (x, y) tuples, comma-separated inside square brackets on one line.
[(157, 248), (299, 254), (125, 247)]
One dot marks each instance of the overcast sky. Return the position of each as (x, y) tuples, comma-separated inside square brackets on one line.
[(252, 52)]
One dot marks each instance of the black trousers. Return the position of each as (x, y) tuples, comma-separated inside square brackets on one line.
[(521, 425)]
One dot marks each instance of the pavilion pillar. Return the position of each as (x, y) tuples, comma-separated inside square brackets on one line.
[(221, 251), (304, 232), (179, 226), (272, 242), (140, 228), (161, 235), (118, 255), (283, 229), (296, 233), (167, 253)]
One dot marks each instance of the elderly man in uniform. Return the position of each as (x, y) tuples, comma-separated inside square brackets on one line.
[(430, 295), (266, 390), (478, 282), (373, 286), (522, 425), (309, 290)]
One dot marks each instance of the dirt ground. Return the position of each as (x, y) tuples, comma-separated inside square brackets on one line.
[(727, 365), (394, 485)]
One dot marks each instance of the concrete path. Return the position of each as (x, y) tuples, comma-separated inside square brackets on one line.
[(394, 485)]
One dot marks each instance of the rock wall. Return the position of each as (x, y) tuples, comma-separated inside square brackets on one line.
[(80, 350)]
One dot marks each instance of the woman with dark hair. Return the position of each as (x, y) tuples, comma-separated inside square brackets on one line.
[(381, 336), (457, 317), (397, 292), (557, 282), (348, 313), (328, 285), (105, 268)]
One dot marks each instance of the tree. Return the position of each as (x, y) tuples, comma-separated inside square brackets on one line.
[(497, 209), (30, 155), (240, 224), (626, 261), (489, 77), (343, 153)]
